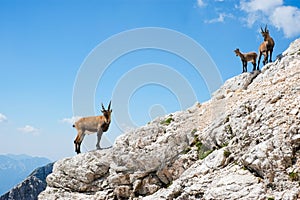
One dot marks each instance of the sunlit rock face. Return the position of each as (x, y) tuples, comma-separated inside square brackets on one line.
[(244, 143)]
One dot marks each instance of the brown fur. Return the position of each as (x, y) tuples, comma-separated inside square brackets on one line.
[(266, 47), (92, 124), (247, 57)]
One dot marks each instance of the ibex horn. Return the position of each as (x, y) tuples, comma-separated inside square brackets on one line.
[(109, 106)]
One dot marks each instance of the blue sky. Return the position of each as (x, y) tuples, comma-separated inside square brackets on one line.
[(45, 44)]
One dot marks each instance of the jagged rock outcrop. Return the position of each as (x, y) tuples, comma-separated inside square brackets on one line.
[(244, 143), (31, 187)]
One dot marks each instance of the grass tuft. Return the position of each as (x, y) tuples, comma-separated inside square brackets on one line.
[(226, 153), (167, 121), (294, 176)]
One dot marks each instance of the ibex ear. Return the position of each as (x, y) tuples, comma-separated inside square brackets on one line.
[(261, 29), (109, 105), (103, 109)]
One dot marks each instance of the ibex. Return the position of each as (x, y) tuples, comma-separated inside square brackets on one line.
[(247, 57), (266, 46), (92, 124)]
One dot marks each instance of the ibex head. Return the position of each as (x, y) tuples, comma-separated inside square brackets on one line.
[(107, 112), (237, 51), (265, 33)]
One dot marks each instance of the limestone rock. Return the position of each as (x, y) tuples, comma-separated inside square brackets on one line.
[(244, 143)]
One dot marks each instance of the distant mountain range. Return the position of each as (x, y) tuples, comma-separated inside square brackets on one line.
[(15, 168), (31, 187)]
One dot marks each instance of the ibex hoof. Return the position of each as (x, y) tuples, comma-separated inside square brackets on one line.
[(98, 148)]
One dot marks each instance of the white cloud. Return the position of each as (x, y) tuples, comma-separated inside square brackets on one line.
[(259, 5), (215, 20), (71, 120), (200, 3), (286, 18), (3, 118), (258, 10), (29, 129), (220, 19)]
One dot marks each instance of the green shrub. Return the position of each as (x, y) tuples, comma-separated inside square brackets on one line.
[(226, 153), (186, 150), (294, 176), (198, 144), (194, 131), (225, 144), (204, 154), (202, 150), (167, 121)]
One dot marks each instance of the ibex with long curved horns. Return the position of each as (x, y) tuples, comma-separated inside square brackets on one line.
[(92, 124), (266, 47)]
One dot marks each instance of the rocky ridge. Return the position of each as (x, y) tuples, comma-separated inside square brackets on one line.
[(244, 143)]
